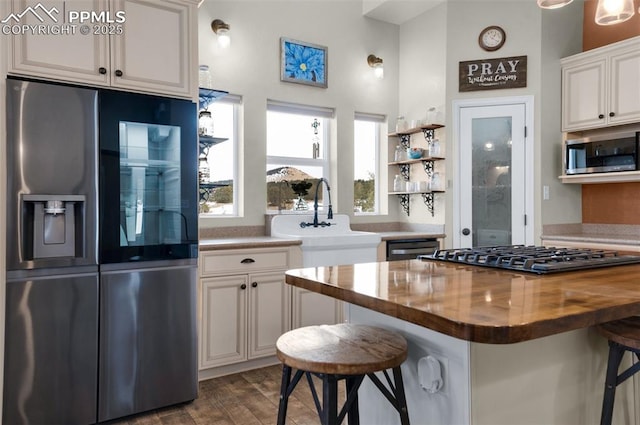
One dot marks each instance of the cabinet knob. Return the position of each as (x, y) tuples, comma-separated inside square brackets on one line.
[(243, 286), (102, 70), (612, 114), (254, 284), (601, 116), (248, 261), (118, 73), (466, 231)]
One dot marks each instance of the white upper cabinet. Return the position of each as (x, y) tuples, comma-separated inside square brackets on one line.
[(624, 98), (601, 87), (583, 95), (139, 45), (153, 52), (67, 56)]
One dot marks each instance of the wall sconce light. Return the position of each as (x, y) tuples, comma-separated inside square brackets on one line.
[(553, 4), (610, 12), (222, 31), (376, 63)]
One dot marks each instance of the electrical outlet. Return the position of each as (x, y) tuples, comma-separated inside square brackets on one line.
[(545, 193)]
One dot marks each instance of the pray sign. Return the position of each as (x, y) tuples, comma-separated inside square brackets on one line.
[(493, 74)]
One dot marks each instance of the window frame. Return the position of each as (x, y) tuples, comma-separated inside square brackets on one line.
[(326, 116), (379, 120), (235, 101)]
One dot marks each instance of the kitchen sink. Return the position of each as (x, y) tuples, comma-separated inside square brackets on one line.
[(335, 244)]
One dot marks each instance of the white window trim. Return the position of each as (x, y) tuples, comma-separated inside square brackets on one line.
[(300, 109), (380, 120), (236, 101), (313, 111)]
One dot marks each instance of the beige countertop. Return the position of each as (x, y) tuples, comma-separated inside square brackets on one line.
[(245, 242), (614, 234), (389, 236), (596, 238), (214, 244)]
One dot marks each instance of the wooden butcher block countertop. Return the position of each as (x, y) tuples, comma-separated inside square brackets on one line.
[(481, 304)]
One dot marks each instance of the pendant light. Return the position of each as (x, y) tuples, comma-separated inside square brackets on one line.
[(610, 12), (553, 4)]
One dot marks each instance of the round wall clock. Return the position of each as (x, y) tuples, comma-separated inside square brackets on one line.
[(492, 38)]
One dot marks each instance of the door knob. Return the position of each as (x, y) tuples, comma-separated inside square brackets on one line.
[(243, 286), (254, 284), (102, 70), (118, 73), (466, 231), (612, 114)]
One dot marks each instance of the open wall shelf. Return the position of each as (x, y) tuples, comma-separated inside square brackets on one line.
[(428, 163)]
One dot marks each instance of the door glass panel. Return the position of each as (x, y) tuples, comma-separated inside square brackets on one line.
[(491, 180), (150, 184)]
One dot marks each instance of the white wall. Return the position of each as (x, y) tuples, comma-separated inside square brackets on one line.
[(544, 37), (423, 76), (421, 59), (251, 68), (561, 37)]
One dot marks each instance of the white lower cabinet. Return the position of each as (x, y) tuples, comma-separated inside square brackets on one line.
[(269, 312), (224, 321), (245, 306), (311, 308)]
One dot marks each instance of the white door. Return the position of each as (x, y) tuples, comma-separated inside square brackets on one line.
[(494, 185)]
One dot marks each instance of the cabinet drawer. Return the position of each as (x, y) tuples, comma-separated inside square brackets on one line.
[(242, 261)]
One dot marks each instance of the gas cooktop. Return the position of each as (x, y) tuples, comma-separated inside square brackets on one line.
[(533, 259)]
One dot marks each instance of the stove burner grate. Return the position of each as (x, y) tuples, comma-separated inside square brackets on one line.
[(533, 259)]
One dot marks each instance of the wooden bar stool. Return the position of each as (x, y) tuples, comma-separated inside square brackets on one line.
[(623, 335), (342, 352)]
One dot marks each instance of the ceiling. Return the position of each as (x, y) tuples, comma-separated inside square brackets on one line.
[(397, 11)]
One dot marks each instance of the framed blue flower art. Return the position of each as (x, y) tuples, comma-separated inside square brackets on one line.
[(303, 63)]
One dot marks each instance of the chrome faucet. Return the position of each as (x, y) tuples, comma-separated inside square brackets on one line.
[(315, 207)]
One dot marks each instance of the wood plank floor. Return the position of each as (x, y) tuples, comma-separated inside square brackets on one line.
[(247, 398)]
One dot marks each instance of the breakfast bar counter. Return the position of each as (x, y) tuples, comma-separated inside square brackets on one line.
[(489, 346), (481, 304)]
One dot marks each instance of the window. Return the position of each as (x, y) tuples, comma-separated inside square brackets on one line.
[(297, 154), (366, 168), (218, 196)]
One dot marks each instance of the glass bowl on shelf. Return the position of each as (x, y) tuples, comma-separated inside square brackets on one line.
[(415, 152)]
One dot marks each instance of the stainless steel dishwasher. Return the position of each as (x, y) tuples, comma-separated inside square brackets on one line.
[(409, 249)]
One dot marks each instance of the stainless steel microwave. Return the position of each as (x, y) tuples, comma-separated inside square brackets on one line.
[(602, 154)]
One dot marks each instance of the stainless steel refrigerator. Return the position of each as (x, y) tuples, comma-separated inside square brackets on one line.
[(101, 253)]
